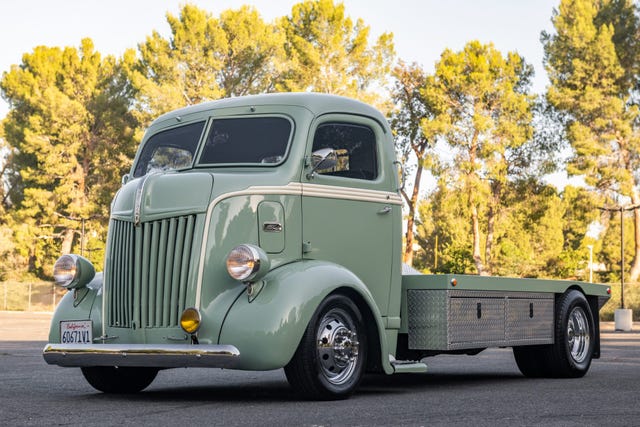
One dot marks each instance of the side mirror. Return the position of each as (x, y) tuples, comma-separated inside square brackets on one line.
[(125, 178), (401, 174), (324, 158)]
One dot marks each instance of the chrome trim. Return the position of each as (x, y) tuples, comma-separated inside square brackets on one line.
[(138, 202), (272, 227), (159, 356)]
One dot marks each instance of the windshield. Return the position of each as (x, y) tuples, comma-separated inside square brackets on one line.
[(248, 140), (254, 140), (169, 150)]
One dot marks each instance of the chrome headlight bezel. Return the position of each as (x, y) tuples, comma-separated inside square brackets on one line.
[(247, 263), (73, 271)]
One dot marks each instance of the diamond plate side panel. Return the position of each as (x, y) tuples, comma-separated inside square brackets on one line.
[(476, 320), (529, 321), (427, 319), (461, 319)]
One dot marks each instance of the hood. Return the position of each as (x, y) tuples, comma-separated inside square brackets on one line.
[(158, 196)]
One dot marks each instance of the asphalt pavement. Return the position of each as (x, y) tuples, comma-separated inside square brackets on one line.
[(482, 390)]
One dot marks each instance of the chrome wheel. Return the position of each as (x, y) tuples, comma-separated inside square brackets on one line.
[(337, 346), (578, 335), (331, 357)]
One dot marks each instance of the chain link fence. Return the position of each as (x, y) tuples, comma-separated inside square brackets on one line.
[(29, 296)]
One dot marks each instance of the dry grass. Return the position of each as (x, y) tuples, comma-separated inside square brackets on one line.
[(631, 300), (29, 296)]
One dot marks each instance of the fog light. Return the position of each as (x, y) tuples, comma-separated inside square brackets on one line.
[(190, 320)]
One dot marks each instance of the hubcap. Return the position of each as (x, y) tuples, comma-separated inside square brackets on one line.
[(337, 346), (578, 335)]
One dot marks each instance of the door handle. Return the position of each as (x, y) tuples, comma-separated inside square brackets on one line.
[(384, 210)]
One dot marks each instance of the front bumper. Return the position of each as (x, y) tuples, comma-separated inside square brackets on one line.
[(158, 356)]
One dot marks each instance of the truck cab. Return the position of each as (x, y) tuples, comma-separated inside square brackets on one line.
[(264, 232)]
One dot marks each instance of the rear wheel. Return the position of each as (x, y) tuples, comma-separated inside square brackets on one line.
[(574, 333), (532, 361), (570, 356), (113, 379), (330, 359)]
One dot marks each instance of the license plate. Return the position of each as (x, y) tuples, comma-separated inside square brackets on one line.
[(76, 332)]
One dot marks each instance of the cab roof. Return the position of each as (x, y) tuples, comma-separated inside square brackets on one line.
[(317, 103)]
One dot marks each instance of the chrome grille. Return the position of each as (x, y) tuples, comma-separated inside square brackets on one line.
[(147, 270)]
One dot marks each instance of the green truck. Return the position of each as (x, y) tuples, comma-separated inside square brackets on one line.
[(264, 232)]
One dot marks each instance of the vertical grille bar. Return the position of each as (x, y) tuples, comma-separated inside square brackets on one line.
[(177, 269), (137, 276), (148, 272), (186, 255), (144, 285), (162, 258), (168, 274)]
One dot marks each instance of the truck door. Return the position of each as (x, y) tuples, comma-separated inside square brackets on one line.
[(350, 207)]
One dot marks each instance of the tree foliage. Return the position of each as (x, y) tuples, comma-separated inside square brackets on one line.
[(592, 60), (331, 54), (411, 109), (472, 124), (483, 112), (205, 58), (71, 130)]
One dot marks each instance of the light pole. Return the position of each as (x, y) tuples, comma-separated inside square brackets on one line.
[(623, 317)]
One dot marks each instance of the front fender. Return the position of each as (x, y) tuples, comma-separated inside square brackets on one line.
[(83, 304), (268, 329)]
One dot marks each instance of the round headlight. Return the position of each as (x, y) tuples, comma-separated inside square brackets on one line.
[(64, 270), (247, 263), (73, 271)]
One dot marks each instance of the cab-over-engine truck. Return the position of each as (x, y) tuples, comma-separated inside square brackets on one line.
[(264, 232)]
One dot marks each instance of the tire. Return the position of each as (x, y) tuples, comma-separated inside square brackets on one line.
[(532, 361), (330, 359), (112, 379), (574, 341), (570, 356)]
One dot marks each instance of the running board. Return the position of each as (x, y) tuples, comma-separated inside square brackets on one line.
[(407, 366)]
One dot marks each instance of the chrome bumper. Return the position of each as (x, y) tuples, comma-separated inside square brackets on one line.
[(159, 356)]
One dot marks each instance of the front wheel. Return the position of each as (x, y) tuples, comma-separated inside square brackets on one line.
[(330, 359), (113, 379)]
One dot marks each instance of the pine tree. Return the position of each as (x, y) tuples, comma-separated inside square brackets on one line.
[(484, 113), (70, 132), (205, 58), (592, 60), (331, 54)]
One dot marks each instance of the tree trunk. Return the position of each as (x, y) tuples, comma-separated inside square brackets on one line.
[(407, 257), (491, 219), (67, 241), (496, 192), (635, 265), (477, 256)]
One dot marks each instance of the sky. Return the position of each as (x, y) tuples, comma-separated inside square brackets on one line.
[(422, 29)]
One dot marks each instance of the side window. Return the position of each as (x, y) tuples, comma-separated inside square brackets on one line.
[(355, 149), (169, 150)]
